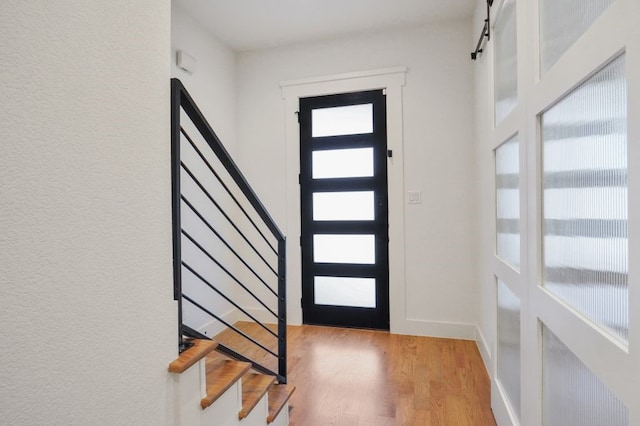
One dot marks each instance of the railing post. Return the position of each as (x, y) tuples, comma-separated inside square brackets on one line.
[(282, 308), (176, 92)]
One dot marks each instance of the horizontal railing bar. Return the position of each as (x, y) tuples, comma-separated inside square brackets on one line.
[(190, 332), (233, 277), (215, 203), (197, 118), (225, 297), (251, 339), (212, 229), (226, 188), (227, 350)]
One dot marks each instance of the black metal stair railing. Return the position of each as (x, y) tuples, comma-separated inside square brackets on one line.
[(237, 251)]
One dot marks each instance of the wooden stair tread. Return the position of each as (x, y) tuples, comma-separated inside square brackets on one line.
[(254, 387), (278, 397), (239, 344), (214, 358), (195, 353), (221, 375)]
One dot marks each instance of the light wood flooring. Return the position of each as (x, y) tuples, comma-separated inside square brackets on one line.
[(350, 377)]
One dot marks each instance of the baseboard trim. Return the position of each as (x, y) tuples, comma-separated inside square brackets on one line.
[(214, 327), (501, 411), (261, 314), (446, 330), (484, 350)]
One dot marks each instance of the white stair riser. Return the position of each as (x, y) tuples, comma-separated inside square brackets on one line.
[(283, 417), (224, 411), (189, 389), (257, 416)]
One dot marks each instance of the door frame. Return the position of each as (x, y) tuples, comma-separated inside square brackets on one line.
[(391, 80)]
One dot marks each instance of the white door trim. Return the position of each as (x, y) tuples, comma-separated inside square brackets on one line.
[(391, 80)]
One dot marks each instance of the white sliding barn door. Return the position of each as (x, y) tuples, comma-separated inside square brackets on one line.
[(566, 142)]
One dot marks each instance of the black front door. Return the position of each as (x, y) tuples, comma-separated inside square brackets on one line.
[(343, 165)]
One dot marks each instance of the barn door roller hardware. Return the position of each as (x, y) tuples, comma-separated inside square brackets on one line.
[(486, 32)]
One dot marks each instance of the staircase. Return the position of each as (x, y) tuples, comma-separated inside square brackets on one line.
[(229, 285), (211, 389)]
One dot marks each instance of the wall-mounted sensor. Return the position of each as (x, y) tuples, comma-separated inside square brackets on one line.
[(185, 61)]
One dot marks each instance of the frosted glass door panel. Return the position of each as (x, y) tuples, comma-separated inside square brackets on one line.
[(344, 120), (508, 202), (571, 394), (342, 291), (506, 61), (509, 345), (343, 205), (342, 163), (562, 22), (585, 199), (360, 249)]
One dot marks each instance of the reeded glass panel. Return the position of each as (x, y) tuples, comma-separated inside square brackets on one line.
[(506, 61), (342, 291), (585, 199), (509, 345), (508, 202), (342, 163), (343, 205), (344, 120), (571, 394), (329, 248), (562, 22)]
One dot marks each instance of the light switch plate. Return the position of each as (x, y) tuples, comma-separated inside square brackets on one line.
[(414, 197)]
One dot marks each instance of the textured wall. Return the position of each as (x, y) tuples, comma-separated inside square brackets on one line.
[(88, 320)]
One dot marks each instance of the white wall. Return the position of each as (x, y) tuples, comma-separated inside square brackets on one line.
[(213, 87), (485, 210), (439, 158), (87, 312), (213, 83)]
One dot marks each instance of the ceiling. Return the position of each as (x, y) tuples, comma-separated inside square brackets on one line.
[(254, 24)]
